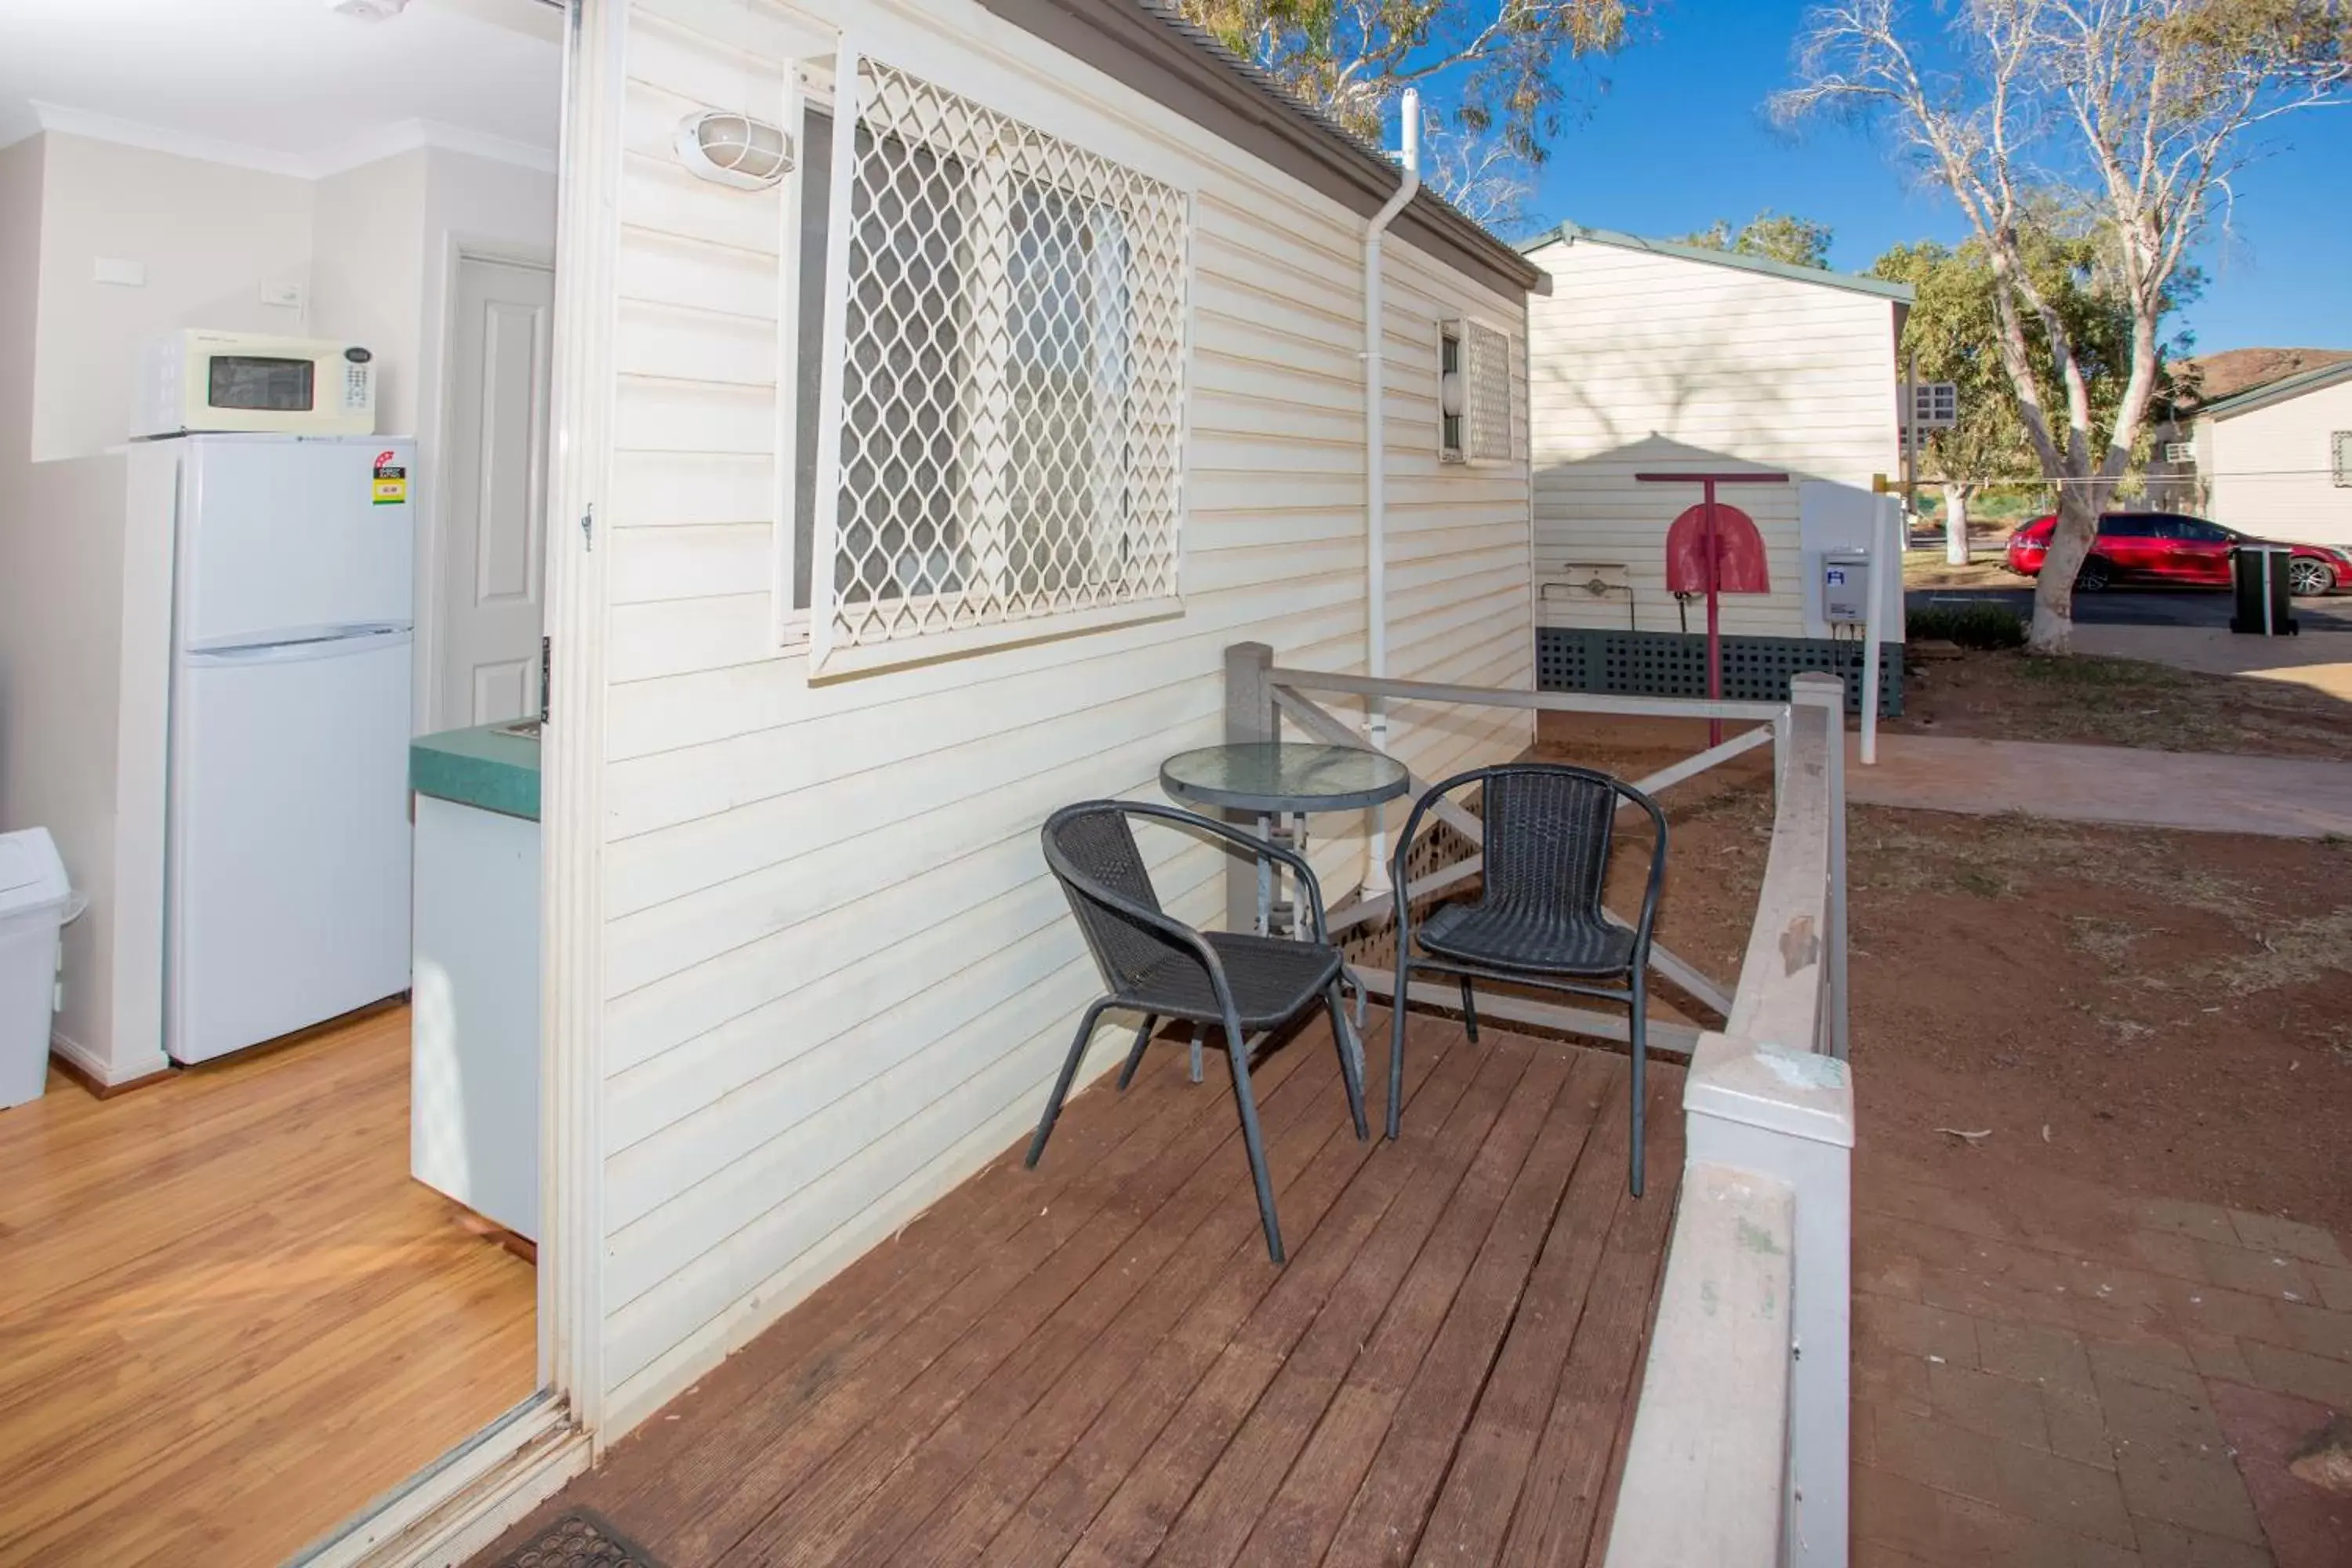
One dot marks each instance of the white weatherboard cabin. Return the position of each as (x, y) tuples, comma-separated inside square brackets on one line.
[(898, 504), (2277, 460), (1649, 355)]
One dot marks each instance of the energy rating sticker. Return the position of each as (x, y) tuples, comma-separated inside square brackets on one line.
[(390, 485)]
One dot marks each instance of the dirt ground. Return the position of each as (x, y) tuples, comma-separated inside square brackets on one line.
[(2119, 702), (2163, 1013)]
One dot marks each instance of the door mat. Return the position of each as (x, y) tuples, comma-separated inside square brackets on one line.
[(579, 1537)]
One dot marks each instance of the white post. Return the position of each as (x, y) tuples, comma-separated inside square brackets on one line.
[(1887, 535), (1376, 521)]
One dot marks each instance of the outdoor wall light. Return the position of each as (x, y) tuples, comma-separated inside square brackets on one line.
[(734, 150)]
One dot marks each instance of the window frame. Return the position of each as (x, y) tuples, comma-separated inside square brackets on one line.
[(799, 629), (1455, 331), (805, 92), (2339, 458)]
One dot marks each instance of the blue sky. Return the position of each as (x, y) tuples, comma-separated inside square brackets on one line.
[(1678, 139)]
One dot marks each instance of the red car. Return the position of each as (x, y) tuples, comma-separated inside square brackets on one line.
[(2163, 547)]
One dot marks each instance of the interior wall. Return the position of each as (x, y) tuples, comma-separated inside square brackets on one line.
[(21, 169), (367, 273), (61, 558), (212, 237)]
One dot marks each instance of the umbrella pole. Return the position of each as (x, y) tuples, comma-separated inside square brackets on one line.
[(1714, 627)]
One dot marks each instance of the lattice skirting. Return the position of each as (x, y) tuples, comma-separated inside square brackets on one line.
[(1674, 664)]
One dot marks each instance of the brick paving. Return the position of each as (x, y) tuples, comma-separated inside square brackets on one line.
[(2087, 1378)]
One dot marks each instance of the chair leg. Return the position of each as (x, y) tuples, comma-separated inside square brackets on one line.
[(1351, 1067), (1237, 1052), (1639, 1039), (1135, 1057), (1062, 1084), (1396, 1049), (1469, 1011)]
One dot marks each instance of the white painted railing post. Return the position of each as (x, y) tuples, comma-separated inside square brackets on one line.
[(1826, 694), (1786, 1113)]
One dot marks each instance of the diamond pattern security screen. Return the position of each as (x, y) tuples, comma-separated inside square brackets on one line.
[(1011, 376), (1486, 417)]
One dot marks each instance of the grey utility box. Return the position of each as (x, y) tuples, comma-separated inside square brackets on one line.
[(1845, 586)]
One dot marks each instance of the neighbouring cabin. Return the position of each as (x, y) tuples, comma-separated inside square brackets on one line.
[(1650, 356), (2276, 461), (925, 519)]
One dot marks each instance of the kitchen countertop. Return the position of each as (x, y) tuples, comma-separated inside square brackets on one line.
[(477, 767)]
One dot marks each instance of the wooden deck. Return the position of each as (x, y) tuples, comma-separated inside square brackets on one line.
[(228, 1319), (1095, 1362)]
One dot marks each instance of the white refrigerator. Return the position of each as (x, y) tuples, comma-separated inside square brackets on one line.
[(288, 862)]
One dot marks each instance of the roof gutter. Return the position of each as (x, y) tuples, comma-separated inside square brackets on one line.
[(1376, 489)]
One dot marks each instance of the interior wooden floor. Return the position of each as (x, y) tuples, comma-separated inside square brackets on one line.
[(1095, 1362), (228, 1319)]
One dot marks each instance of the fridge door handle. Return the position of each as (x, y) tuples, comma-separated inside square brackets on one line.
[(303, 648)]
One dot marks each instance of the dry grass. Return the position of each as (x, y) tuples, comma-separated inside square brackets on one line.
[(2110, 941), (1928, 569), (2296, 953)]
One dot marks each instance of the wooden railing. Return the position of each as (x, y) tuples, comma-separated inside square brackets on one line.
[(1740, 1449)]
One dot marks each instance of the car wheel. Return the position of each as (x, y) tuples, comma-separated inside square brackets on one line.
[(2094, 575), (2308, 579)]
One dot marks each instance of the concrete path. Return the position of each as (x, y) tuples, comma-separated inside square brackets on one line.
[(2286, 797)]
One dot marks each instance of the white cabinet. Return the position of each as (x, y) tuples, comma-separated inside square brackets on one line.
[(474, 1085)]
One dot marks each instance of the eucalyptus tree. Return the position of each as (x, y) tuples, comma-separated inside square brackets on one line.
[(2135, 114)]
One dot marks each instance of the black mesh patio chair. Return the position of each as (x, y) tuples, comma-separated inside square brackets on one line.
[(1247, 984), (1538, 919)]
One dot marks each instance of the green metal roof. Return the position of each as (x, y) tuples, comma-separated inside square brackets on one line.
[(2277, 391), (1574, 233)]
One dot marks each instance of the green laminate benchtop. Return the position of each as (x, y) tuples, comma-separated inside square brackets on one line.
[(477, 767)]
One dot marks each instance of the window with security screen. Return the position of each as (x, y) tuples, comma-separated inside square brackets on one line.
[(2339, 451), (1474, 393), (1011, 379)]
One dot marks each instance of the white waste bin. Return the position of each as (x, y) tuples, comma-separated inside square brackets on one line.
[(33, 899)]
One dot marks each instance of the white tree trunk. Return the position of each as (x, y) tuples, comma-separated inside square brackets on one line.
[(2053, 591), (1956, 525)]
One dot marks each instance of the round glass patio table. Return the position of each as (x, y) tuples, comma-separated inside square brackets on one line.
[(1283, 778), (1281, 781)]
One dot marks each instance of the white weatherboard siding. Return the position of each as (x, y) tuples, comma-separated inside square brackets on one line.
[(2269, 470), (839, 979), (1644, 360)]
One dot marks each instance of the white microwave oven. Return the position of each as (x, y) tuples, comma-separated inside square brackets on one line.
[(194, 381)]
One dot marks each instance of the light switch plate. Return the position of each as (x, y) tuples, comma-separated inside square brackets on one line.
[(116, 270), (289, 295)]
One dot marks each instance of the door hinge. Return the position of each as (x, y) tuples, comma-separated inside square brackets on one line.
[(588, 525)]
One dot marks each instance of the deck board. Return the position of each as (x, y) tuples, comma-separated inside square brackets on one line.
[(1094, 1361)]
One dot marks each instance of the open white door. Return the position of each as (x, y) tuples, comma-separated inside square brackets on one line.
[(493, 548)]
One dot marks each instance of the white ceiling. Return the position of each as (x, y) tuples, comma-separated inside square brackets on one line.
[(284, 84)]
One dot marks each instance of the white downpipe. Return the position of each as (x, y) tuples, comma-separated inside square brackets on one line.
[(1376, 519)]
